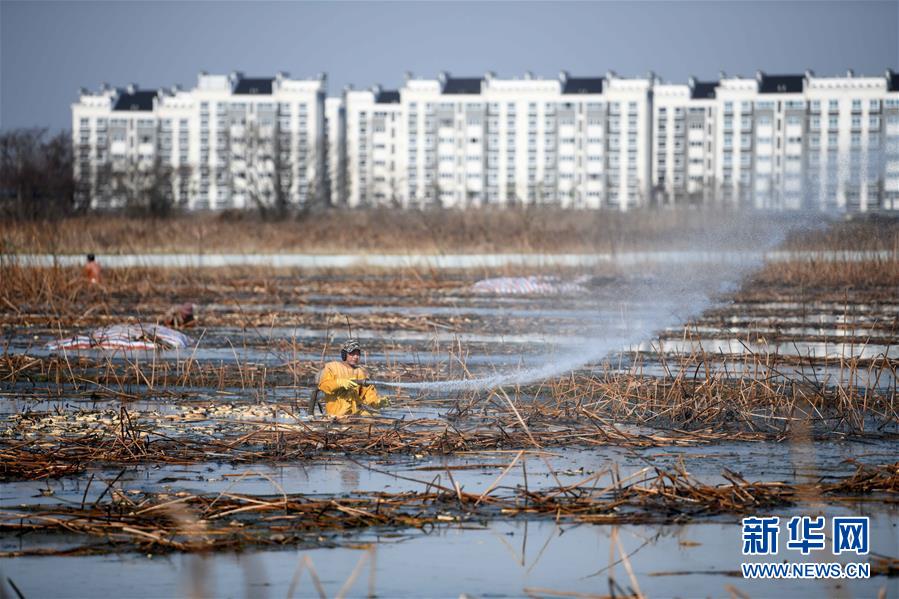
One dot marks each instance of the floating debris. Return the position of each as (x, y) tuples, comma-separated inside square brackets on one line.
[(125, 336), (534, 285)]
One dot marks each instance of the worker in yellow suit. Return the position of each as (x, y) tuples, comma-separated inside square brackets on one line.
[(344, 386)]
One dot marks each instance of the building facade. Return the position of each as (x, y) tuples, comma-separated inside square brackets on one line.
[(770, 141), (335, 151), (230, 142), (474, 141)]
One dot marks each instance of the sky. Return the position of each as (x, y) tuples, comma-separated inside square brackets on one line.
[(48, 50)]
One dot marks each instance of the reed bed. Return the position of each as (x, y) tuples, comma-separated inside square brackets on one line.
[(699, 397), (41, 445), (873, 278), (690, 404), (538, 230), (577, 411), (157, 522)]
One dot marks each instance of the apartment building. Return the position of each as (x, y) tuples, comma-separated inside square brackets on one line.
[(891, 143), (771, 141), (803, 141), (230, 142), (335, 150), (684, 142), (846, 153), (472, 141), (374, 148)]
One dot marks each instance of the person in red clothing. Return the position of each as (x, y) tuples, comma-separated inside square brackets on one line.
[(92, 270)]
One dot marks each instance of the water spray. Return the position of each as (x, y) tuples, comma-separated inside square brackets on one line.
[(680, 295)]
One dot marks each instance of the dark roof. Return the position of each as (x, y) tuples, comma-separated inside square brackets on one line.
[(583, 85), (388, 96), (703, 90), (254, 86), (893, 82), (781, 84), (139, 100), (462, 85)]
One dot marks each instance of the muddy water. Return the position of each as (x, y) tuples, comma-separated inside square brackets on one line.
[(807, 461), (497, 558), (502, 559)]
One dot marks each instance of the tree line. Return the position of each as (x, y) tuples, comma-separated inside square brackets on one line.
[(36, 176), (38, 180)]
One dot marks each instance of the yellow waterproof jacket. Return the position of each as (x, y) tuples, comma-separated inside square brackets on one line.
[(340, 401)]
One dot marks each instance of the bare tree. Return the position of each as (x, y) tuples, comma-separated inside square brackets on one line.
[(317, 188), (433, 196), (395, 197), (143, 187), (36, 174), (261, 177)]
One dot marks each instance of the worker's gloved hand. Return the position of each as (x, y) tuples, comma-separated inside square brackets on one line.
[(349, 384)]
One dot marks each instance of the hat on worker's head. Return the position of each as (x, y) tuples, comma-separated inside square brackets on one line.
[(350, 346)]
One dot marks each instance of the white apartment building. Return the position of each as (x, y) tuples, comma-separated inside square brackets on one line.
[(891, 143), (734, 144), (685, 137), (771, 141), (231, 142), (629, 144), (335, 149), (847, 141), (470, 141), (781, 141), (374, 148)]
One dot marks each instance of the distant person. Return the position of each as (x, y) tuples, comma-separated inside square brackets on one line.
[(344, 384), (180, 317), (92, 270)]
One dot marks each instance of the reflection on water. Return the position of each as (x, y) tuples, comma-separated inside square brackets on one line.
[(337, 474), (500, 559)]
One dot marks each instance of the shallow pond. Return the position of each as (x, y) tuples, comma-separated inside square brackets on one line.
[(502, 559)]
